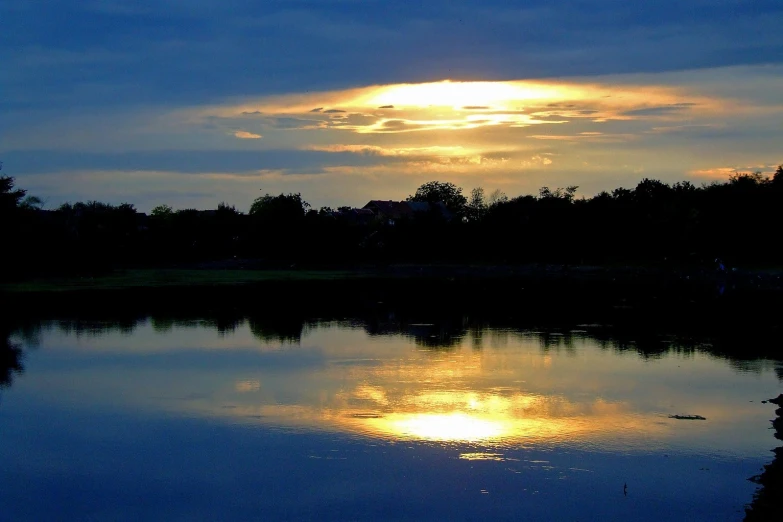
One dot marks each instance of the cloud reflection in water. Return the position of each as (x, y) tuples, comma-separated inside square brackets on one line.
[(513, 389)]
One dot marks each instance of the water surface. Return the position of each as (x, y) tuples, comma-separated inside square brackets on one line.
[(338, 420)]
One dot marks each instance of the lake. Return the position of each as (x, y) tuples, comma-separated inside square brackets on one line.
[(247, 419)]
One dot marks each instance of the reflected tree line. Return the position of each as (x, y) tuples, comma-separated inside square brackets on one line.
[(437, 327), (648, 318), (737, 220), (10, 357)]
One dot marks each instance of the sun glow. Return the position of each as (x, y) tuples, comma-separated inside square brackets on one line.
[(440, 108), (463, 95)]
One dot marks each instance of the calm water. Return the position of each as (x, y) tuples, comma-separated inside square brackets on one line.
[(184, 421)]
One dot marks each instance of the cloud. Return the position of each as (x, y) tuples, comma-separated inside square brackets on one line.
[(155, 52), (538, 159), (670, 129), (246, 135), (599, 132), (724, 173), (430, 151), (284, 122), (661, 111), (246, 162), (356, 149), (592, 137), (717, 173), (451, 106)]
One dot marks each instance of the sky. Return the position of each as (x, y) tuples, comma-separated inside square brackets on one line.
[(194, 102)]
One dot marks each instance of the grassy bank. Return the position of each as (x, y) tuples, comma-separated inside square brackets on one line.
[(160, 278), (766, 279)]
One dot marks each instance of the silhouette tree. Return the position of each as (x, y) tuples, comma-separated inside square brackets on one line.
[(442, 192), (284, 206), (17, 239), (10, 197), (162, 212), (497, 197), (278, 225), (565, 194), (477, 206), (777, 178), (737, 220)]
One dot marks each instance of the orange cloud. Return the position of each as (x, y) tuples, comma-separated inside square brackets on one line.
[(723, 173), (714, 173)]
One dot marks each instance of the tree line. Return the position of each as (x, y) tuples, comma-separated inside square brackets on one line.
[(738, 220)]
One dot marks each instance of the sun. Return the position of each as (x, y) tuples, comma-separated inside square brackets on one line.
[(480, 95)]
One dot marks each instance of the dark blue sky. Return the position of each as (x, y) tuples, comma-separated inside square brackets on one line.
[(109, 52), (90, 58)]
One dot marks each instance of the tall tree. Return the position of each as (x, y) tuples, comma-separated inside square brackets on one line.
[(777, 178), (10, 197), (284, 206), (496, 198), (477, 206), (442, 192)]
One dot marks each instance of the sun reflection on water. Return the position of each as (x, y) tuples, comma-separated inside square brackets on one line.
[(444, 427), (472, 427), (495, 398), (503, 417)]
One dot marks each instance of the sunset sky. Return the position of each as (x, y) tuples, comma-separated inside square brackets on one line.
[(193, 102)]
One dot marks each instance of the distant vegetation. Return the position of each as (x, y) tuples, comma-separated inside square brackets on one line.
[(738, 221)]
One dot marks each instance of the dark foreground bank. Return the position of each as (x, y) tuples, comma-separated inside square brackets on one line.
[(767, 503), (248, 272)]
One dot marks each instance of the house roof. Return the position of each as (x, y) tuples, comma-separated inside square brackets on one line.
[(390, 209), (419, 206), (402, 209), (355, 214)]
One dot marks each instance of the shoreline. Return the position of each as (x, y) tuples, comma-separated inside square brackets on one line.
[(238, 273), (739, 312), (767, 504)]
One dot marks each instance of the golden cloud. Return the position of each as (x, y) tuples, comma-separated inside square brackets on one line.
[(435, 150), (244, 135), (723, 173), (449, 105), (594, 137)]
